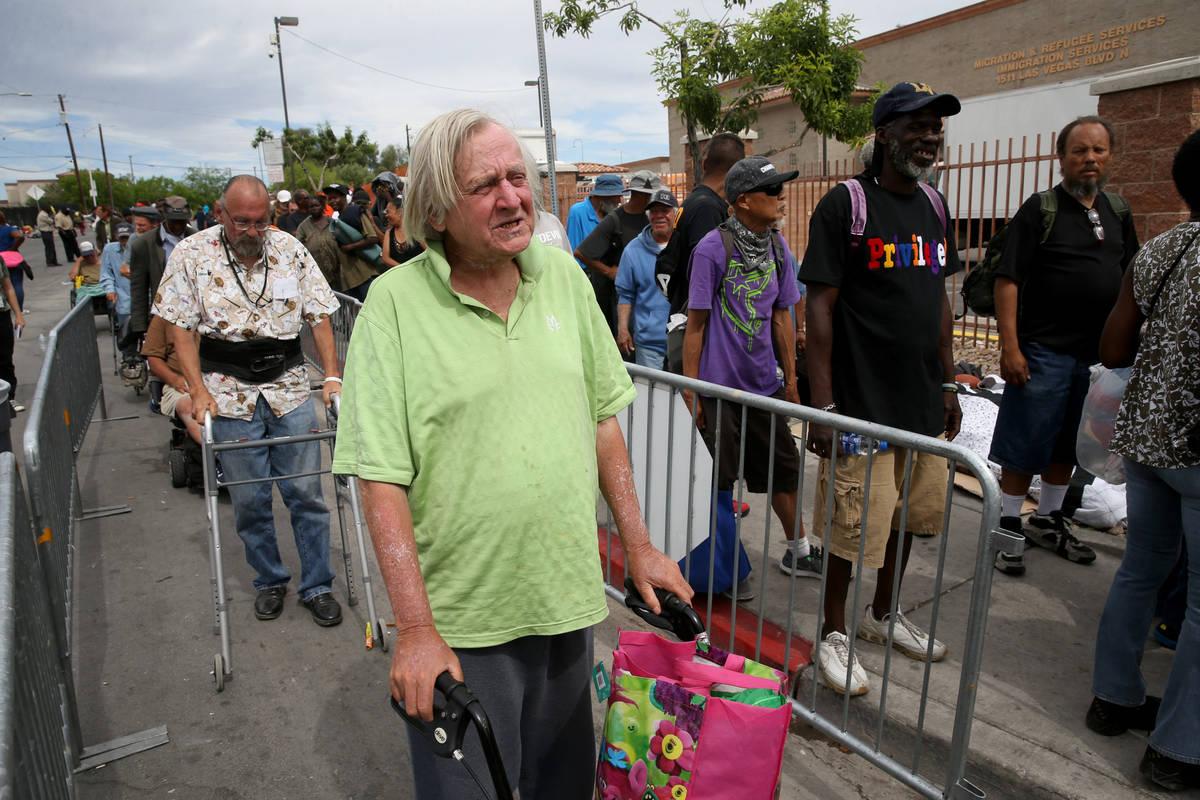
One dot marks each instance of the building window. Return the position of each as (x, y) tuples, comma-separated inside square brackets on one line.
[(792, 126), (791, 160)]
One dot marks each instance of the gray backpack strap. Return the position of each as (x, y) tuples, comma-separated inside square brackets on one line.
[(858, 211)]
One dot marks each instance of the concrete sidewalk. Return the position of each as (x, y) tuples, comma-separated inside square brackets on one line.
[(306, 713)]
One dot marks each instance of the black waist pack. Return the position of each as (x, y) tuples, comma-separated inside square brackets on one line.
[(252, 361)]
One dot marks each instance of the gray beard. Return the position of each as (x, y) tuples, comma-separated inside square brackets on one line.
[(1084, 190), (609, 207), (246, 248), (903, 162)]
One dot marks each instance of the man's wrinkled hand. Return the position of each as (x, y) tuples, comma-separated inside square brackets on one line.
[(328, 390), (202, 403), (650, 567), (419, 656)]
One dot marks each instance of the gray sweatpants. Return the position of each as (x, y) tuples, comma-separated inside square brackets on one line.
[(536, 692)]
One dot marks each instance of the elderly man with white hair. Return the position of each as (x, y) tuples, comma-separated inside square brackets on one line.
[(480, 389)]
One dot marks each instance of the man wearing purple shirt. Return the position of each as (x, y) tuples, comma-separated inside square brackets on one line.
[(739, 316)]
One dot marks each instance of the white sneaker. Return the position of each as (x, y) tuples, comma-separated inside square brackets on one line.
[(832, 654), (907, 638)]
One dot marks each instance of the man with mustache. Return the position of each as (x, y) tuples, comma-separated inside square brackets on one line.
[(245, 289), (1059, 275), (481, 389), (584, 216), (879, 349)]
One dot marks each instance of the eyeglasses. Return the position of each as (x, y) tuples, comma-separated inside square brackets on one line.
[(773, 191), (1094, 217), (243, 225)]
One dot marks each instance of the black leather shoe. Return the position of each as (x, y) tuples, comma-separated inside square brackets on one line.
[(269, 602), (1110, 719), (1167, 773), (325, 610)]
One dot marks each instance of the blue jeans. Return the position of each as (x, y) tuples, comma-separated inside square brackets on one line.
[(646, 357), (302, 496), (1038, 422), (1164, 507)]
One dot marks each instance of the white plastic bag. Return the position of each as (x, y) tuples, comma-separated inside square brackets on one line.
[(1097, 423)]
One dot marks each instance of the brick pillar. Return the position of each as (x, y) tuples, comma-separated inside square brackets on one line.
[(1152, 111), (567, 181)]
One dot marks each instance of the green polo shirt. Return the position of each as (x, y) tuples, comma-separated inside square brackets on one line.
[(492, 427)]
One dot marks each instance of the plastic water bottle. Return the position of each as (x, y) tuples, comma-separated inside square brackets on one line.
[(42, 341), (854, 444)]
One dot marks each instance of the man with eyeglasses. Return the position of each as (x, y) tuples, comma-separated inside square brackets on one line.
[(237, 296), (740, 296), (148, 254), (1058, 277)]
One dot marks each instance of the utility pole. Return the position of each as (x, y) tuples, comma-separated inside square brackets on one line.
[(287, 22), (407, 142), (62, 114), (107, 177), (544, 92), (131, 178)]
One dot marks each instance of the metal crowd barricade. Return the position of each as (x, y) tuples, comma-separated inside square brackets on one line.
[(676, 480), (35, 716), (345, 488), (342, 322), (66, 398)]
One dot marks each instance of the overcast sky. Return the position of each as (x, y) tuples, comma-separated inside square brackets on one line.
[(186, 84)]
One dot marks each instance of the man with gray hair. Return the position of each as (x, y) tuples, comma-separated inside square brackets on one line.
[(600, 252), (481, 388), (237, 295)]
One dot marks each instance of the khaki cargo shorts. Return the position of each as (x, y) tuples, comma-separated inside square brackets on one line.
[(170, 401), (926, 501)]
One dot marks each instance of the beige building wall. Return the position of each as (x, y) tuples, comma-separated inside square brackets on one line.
[(1009, 44), (988, 48)]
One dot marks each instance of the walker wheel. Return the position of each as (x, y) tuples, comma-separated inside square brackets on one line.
[(219, 671)]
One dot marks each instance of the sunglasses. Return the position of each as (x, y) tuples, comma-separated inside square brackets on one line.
[(773, 191), (1094, 217)]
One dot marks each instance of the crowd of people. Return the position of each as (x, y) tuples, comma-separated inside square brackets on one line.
[(451, 353)]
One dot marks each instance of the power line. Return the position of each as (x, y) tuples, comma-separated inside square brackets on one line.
[(37, 171), (401, 77)]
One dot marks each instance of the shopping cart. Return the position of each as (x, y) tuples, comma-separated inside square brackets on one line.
[(346, 493)]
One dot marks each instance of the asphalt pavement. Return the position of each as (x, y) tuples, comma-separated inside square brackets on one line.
[(306, 711)]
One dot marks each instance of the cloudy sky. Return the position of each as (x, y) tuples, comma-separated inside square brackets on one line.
[(186, 84)]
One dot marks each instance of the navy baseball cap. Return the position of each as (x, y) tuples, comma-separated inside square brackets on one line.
[(906, 97), (608, 186), (124, 230)]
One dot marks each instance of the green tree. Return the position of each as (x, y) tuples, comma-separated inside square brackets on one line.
[(324, 156), (392, 156), (795, 44)]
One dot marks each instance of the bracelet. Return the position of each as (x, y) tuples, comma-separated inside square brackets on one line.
[(332, 378), (950, 387), (832, 407)]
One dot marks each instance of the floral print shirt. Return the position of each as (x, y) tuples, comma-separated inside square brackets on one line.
[(200, 291), (1162, 399)]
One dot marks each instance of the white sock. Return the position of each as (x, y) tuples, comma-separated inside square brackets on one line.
[(799, 547), (1052, 498), (1010, 504)]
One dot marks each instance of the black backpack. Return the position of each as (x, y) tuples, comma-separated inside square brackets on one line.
[(978, 289)]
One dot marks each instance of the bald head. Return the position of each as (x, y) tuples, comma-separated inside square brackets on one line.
[(247, 186)]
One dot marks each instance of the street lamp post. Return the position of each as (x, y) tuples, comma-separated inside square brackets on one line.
[(544, 106), (289, 22)]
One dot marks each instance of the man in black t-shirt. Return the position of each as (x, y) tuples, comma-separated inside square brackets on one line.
[(600, 251), (704, 209), (1054, 289), (879, 349)]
